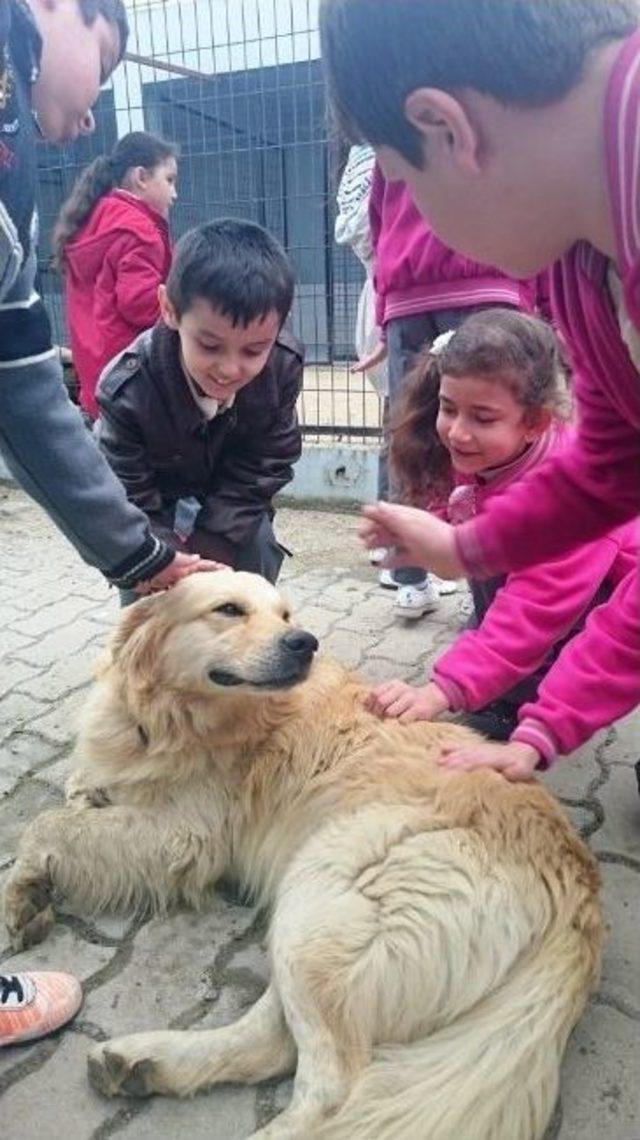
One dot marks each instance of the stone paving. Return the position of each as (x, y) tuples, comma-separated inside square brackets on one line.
[(189, 970)]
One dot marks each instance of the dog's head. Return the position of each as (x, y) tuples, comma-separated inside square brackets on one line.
[(213, 632)]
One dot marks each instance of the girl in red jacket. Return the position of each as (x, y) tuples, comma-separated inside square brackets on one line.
[(112, 240), (529, 674)]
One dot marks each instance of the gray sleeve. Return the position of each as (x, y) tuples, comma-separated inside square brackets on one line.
[(52, 455), (55, 459)]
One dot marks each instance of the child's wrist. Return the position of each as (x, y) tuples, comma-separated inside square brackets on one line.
[(438, 698)]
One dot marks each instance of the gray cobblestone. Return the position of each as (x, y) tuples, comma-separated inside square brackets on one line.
[(59, 644), (572, 779), (63, 677), (57, 1091), (621, 969), (59, 723), (16, 811), (599, 1096), (18, 710), (620, 831), (14, 673), (22, 753), (12, 642), (170, 970), (203, 970)]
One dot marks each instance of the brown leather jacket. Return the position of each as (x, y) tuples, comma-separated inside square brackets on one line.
[(162, 449)]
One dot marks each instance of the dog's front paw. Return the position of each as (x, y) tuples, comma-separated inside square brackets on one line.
[(112, 1073), (28, 911)]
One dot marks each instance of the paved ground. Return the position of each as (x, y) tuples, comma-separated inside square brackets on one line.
[(202, 971)]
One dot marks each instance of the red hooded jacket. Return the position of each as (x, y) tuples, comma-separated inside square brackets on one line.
[(113, 267)]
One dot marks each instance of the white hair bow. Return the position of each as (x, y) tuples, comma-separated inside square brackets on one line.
[(441, 342)]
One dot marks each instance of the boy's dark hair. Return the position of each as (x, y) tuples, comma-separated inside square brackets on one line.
[(139, 148), (526, 53), (515, 349), (239, 268), (114, 13)]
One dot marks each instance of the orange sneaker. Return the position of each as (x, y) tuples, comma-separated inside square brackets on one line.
[(32, 1005)]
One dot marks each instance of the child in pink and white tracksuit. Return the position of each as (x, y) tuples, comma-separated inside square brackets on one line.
[(422, 289), (524, 151), (498, 397)]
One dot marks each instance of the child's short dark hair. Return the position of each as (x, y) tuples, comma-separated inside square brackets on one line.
[(114, 13), (239, 268), (526, 53)]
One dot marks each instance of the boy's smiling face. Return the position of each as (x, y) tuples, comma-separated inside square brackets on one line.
[(221, 357), (76, 59)]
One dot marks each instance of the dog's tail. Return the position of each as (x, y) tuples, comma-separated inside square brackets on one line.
[(493, 1073)]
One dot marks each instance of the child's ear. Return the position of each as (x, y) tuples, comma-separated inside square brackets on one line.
[(138, 177), (167, 311), (444, 127), (537, 422)]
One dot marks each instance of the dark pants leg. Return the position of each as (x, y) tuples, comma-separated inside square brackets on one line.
[(262, 554), (497, 720)]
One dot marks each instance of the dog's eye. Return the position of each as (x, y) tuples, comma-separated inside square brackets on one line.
[(230, 609), (286, 616)]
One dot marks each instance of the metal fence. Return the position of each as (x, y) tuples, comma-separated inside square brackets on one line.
[(238, 84)]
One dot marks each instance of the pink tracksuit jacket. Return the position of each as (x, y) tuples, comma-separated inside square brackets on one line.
[(415, 273), (533, 612), (585, 490)]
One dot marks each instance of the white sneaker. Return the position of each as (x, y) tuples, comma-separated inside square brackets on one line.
[(378, 555), (445, 586), (466, 607), (416, 601), (387, 580)]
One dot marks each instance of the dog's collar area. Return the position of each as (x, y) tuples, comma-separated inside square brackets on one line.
[(143, 734)]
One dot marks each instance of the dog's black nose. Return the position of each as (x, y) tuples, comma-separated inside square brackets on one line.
[(299, 642)]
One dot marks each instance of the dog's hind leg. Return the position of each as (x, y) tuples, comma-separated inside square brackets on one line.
[(109, 858), (331, 1053), (255, 1048)]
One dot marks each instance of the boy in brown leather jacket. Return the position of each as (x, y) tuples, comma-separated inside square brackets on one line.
[(198, 416)]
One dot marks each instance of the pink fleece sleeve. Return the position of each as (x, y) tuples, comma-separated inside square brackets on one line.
[(532, 612), (594, 682), (576, 496)]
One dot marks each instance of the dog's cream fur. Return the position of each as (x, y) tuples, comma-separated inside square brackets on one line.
[(434, 935)]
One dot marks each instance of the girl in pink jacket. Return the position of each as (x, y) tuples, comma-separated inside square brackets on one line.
[(534, 670)]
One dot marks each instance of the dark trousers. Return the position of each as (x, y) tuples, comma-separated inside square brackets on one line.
[(497, 720), (261, 554)]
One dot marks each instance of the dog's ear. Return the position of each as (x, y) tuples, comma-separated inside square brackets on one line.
[(134, 644)]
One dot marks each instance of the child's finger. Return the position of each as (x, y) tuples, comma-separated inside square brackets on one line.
[(384, 704), (400, 705)]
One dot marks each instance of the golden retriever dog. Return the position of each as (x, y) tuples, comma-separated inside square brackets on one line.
[(434, 934)]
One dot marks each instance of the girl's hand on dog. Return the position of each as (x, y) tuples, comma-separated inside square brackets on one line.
[(406, 703), (416, 537), (515, 760)]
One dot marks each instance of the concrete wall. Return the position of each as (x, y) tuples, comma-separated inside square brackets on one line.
[(327, 475)]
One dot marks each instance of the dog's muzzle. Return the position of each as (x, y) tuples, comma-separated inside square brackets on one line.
[(287, 665)]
